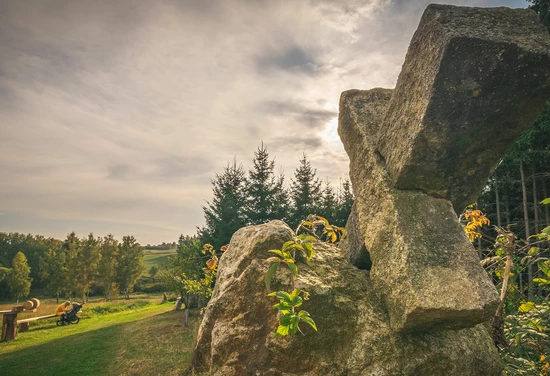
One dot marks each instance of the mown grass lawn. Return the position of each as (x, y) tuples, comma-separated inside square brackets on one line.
[(148, 340)]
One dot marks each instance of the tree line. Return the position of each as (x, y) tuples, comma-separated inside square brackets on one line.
[(242, 198), (69, 268)]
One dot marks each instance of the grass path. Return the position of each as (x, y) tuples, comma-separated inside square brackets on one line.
[(147, 341)]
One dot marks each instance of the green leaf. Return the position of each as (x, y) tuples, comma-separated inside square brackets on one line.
[(287, 245), (269, 275), (533, 251), (308, 321), (526, 307), (545, 267), (294, 321), (541, 281), (502, 239), (308, 250), (284, 296), (296, 301), (277, 252), (293, 268), (282, 331), (303, 314), (283, 306), (306, 238), (293, 246), (286, 319), (546, 201), (295, 292), (536, 325)]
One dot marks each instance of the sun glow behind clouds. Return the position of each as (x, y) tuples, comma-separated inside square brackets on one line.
[(330, 135)]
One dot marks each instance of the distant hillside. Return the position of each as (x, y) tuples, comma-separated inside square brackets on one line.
[(158, 258)]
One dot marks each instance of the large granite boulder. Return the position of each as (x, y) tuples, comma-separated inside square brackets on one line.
[(472, 81), (235, 337)]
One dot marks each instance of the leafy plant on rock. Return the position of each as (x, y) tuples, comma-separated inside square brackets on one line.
[(313, 229)]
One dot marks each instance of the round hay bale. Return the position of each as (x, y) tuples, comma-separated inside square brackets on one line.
[(35, 302), (28, 305)]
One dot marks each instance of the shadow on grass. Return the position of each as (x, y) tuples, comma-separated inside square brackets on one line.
[(121, 348), (88, 353)]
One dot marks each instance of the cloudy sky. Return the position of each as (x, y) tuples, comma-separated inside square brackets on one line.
[(115, 115)]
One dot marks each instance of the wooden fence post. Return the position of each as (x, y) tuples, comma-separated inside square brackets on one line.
[(9, 323)]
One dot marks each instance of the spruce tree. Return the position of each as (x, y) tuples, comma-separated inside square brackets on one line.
[(262, 189), (281, 199), (542, 7), (225, 214), (305, 192), (329, 204), (345, 202)]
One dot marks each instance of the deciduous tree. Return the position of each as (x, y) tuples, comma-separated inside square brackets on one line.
[(54, 270), (19, 280), (129, 265), (107, 267), (89, 256)]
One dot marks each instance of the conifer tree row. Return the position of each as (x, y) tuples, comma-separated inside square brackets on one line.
[(241, 199)]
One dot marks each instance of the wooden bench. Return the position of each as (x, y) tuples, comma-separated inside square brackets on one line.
[(24, 324), (9, 318)]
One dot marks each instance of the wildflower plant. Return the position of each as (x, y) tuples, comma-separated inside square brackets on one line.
[(313, 229)]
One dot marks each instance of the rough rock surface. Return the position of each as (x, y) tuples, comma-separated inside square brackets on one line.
[(472, 81), (424, 268), (353, 244), (354, 338)]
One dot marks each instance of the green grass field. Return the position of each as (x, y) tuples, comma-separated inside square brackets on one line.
[(156, 258), (133, 337)]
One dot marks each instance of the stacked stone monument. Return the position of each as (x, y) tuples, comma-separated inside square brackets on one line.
[(472, 81)]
